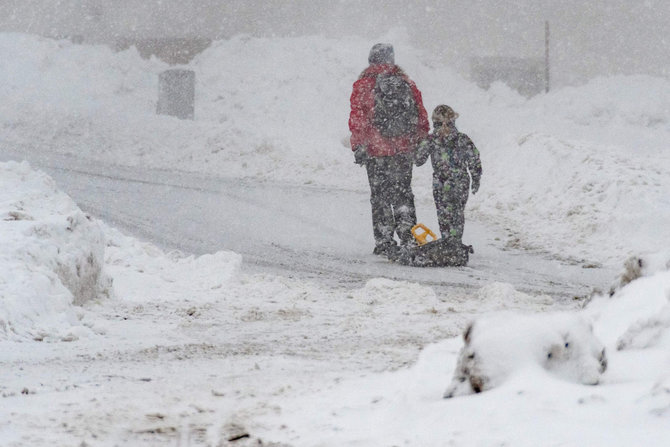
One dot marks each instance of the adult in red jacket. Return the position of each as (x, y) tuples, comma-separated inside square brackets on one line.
[(387, 153)]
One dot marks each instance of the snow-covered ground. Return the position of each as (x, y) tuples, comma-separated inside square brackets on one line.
[(106, 340)]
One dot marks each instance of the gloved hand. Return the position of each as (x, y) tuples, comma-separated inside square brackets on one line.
[(360, 155), (421, 153), (474, 187)]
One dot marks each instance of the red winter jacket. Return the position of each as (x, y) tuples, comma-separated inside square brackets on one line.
[(363, 131)]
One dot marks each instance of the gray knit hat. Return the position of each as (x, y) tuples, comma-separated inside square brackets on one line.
[(382, 53), (444, 114)]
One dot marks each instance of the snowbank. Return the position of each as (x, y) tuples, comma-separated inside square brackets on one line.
[(637, 101), (137, 265), (51, 257), (580, 172), (574, 199)]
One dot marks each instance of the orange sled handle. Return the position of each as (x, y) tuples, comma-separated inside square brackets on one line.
[(422, 233)]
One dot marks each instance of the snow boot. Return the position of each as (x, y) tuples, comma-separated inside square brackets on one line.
[(388, 249)]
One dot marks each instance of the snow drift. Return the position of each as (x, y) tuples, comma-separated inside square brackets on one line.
[(51, 257), (166, 276)]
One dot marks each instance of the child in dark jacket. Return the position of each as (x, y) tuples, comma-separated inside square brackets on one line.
[(455, 161)]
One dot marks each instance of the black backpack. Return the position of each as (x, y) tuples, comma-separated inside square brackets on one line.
[(395, 113)]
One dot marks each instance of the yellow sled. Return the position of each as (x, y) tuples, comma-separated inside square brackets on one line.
[(421, 233)]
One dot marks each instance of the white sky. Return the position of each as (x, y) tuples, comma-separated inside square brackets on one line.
[(588, 38)]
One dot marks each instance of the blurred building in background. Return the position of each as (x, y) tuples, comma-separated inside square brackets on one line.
[(588, 38), (525, 75)]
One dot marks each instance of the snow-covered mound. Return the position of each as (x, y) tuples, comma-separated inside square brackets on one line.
[(581, 172), (44, 76), (51, 257), (573, 198), (638, 101), (387, 292), (498, 345), (137, 265)]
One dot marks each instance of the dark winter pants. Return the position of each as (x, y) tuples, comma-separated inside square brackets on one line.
[(391, 198), (450, 199)]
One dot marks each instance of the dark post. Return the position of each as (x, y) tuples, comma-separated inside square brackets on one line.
[(546, 56), (176, 93)]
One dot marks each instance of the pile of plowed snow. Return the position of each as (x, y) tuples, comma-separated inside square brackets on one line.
[(51, 257)]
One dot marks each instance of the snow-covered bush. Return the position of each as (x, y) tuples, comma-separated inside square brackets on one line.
[(640, 265), (635, 314), (51, 256), (499, 344)]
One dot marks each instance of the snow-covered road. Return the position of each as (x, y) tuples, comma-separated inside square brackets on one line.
[(310, 232)]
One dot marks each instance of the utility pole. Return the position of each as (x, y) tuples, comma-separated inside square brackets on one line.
[(546, 56)]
